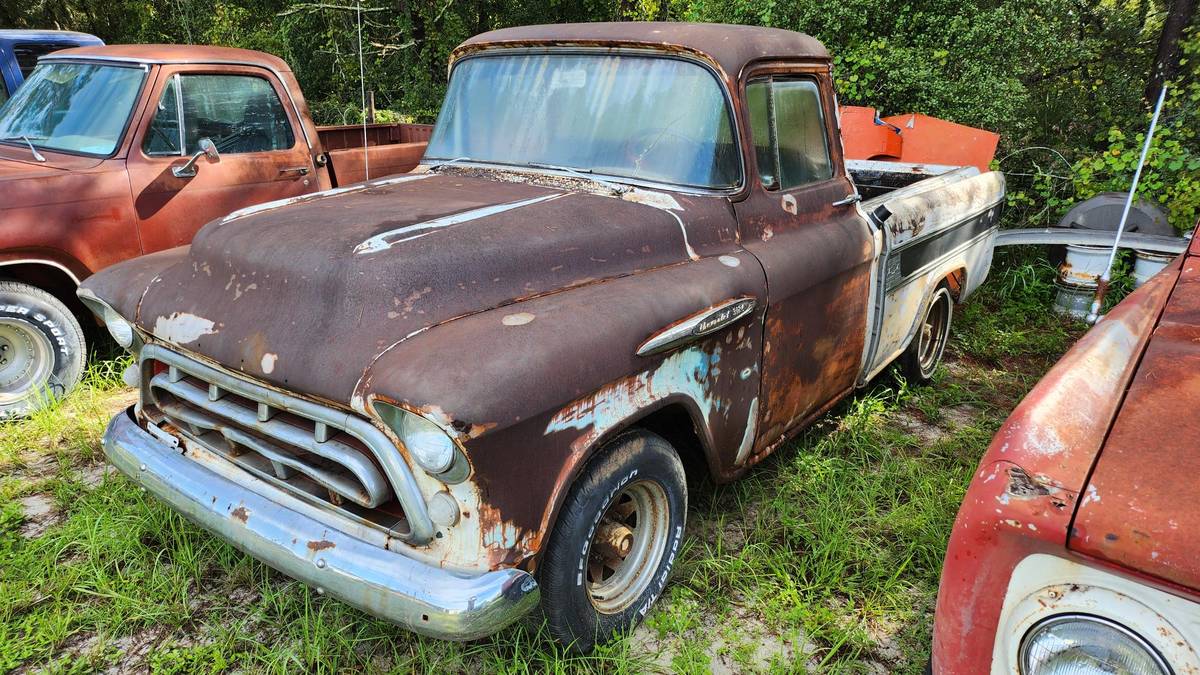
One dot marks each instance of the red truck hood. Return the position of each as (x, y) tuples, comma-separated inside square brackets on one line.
[(16, 162), (1141, 508), (25, 182), (306, 296)]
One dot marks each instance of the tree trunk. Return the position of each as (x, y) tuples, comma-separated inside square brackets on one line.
[(1166, 62)]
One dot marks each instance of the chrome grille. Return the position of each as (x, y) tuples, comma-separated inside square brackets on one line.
[(316, 452)]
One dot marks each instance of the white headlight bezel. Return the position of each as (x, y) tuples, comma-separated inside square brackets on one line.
[(1042, 628), (121, 329)]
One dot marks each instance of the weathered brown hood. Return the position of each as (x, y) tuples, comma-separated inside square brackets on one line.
[(307, 295)]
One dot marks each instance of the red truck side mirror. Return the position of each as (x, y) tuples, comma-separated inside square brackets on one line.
[(208, 149)]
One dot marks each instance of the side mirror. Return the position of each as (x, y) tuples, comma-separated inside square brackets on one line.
[(208, 150)]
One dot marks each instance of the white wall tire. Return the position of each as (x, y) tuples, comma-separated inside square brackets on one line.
[(42, 349)]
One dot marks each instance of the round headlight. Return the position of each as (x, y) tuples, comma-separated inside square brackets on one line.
[(428, 445), (120, 329), (1086, 644), (432, 449)]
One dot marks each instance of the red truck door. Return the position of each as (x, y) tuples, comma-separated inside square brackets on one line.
[(816, 249), (263, 152)]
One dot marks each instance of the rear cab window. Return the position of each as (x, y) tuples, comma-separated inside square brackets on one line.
[(239, 113), (28, 53), (787, 125)]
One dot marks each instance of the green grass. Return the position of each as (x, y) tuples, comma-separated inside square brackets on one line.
[(825, 558)]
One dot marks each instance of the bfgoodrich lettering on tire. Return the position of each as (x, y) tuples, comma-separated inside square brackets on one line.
[(41, 349), (616, 540)]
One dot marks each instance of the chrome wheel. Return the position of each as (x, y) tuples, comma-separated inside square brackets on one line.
[(26, 361), (627, 545), (934, 332)]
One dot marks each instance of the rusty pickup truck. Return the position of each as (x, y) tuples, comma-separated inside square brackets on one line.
[(1075, 549), (107, 153), (630, 249)]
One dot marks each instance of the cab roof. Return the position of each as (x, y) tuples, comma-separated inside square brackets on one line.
[(730, 47), (174, 54)]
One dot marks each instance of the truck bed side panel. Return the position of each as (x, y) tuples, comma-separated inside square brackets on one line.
[(382, 160), (931, 232)]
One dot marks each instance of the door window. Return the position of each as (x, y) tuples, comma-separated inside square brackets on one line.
[(787, 124), (240, 113)]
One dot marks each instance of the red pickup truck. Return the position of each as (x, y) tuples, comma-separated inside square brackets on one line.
[(1075, 549), (110, 152)]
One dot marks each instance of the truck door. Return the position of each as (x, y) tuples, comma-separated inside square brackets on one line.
[(815, 247), (263, 153)]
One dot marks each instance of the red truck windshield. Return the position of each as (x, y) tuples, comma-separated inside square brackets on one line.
[(74, 107), (662, 120)]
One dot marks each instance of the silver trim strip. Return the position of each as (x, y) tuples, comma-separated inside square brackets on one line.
[(704, 322), (421, 527), (385, 240)]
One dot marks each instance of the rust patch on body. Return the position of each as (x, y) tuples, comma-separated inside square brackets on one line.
[(241, 513), (321, 545)]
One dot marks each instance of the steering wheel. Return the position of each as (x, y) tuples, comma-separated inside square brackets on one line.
[(171, 142)]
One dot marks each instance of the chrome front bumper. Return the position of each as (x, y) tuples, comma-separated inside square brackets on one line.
[(413, 594)]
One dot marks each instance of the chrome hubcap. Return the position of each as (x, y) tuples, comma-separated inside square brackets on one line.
[(26, 360), (933, 332), (627, 547)]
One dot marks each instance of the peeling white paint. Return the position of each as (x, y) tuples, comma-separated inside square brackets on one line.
[(268, 363), (386, 240), (501, 535), (181, 328), (729, 261), (689, 372), (518, 319), (663, 202)]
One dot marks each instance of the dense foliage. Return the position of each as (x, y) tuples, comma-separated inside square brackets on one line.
[(1067, 75)]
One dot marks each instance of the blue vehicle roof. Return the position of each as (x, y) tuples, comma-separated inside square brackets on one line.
[(8, 36)]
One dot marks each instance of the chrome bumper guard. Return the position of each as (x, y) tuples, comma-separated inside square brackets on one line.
[(425, 599)]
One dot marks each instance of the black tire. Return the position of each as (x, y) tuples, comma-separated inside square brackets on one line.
[(42, 349), (920, 360), (637, 463)]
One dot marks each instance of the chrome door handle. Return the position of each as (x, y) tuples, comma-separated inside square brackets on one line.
[(301, 170), (849, 199)]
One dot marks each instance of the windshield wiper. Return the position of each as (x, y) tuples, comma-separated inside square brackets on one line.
[(36, 155), (447, 162), (585, 174)]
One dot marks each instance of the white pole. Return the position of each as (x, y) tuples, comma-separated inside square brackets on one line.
[(362, 83), (1102, 284)]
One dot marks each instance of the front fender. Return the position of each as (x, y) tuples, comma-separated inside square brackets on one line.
[(1027, 487), (532, 389), (123, 285)]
